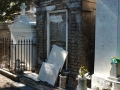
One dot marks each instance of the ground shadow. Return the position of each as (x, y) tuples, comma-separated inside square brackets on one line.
[(8, 86)]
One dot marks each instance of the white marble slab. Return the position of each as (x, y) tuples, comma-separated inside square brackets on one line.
[(57, 56), (48, 73)]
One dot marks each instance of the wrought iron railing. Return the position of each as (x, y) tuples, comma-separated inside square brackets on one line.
[(17, 56)]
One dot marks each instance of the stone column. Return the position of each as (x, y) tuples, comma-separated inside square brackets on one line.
[(107, 41)]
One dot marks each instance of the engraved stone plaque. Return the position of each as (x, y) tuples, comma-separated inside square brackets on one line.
[(57, 56), (49, 73)]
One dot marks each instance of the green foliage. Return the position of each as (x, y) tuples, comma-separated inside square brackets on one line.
[(8, 7), (82, 71)]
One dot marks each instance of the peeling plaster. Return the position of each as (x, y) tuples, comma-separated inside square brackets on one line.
[(78, 18), (74, 5), (50, 8), (56, 19), (45, 3)]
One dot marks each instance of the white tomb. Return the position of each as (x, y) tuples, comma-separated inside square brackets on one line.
[(107, 43), (22, 29)]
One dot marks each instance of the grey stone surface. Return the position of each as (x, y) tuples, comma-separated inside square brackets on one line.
[(116, 87), (106, 44), (74, 5), (101, 83), (106, 35), (41, 85), (22, 86), (115, 70), (7, 84), (50, 8)]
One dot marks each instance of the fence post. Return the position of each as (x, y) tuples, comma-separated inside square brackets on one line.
[(29, 54), (15, 58), (21, 53), (32, 53), (24, 54)]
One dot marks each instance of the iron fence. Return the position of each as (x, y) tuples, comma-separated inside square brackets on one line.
[(17, 56)]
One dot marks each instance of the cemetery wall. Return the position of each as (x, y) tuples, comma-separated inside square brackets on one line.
[(4, 30), (80, 33)]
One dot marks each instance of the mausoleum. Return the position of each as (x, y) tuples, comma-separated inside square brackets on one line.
[(68, 24)]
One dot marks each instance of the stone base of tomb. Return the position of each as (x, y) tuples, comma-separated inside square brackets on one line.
[(114, 79), (105, 83)]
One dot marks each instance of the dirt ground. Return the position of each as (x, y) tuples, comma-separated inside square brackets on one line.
[(6, 83)]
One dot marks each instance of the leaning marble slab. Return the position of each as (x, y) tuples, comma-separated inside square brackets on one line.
[(50, 70), (49, 73), (57, 56)]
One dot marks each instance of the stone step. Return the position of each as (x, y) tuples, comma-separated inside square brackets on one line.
[(9, 75), (30, 79), (22, 86)]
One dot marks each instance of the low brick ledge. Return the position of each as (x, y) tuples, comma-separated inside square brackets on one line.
[(38, 85), (10, 75)]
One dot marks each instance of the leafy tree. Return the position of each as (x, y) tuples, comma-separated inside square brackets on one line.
[(8, 7)]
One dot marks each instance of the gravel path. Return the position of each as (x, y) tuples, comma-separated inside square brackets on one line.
[(6, 83)]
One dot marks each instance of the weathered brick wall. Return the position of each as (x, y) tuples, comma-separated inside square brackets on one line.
[(4, 33), (79, 43)]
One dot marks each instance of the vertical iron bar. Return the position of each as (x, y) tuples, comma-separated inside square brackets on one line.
[(2, 46), (18, 49), (6, 49), (9, 53), (32, 54), (15, 58), (24, 54), (12, 54), (21, 54), (29, 54)]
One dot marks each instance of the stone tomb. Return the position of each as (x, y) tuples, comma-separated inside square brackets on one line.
[(23, 29), (107, 43), (50, 70)]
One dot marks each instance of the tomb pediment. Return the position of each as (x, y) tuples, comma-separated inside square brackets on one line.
[(22, 24)]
